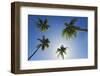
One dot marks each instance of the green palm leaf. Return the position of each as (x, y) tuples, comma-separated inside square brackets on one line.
[(61, 51), (40, 21), (43, 25), (73, 21), (70, 30)]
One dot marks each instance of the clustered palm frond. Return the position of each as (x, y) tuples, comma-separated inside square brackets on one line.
[(43, 25), (61, 51), (44, 43), (70, 30)]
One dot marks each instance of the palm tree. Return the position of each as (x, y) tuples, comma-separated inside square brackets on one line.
[(43, 25), (44, 43), (71, 30), (61, 51)]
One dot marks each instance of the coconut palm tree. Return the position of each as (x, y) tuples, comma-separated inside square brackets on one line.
[(61, 51), (71, 30), (44, 43), (43, 25)]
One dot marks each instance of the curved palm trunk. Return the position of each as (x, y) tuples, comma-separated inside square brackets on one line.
[(81, 29), (85, 30), (33, 53)]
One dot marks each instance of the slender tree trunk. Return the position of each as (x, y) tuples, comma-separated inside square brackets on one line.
[(85, 30), (33, 53), (81, 29)]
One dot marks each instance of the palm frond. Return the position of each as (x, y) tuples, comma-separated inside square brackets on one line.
[(43, 25), (40, 40), (47, 40), (61, 51), (46, 21), (66, 24), (57, 50), (38, 24), (40, 21), (46, 45), (73, 21), (64, 52), (62, 55), (64, 32), (58, 55), (44, 42), (69, 32)]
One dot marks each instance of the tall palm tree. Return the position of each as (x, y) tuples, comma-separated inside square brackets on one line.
[(61, 51), (71, 30), (43, 25), (44, 43)]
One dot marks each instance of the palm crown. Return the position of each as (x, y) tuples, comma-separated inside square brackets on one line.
[(44, 43), (43, 25), (61, 51), (71, 30)]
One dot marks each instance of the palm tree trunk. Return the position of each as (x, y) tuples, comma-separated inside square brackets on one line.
[(85, 30), (33, 53), (81, 29)]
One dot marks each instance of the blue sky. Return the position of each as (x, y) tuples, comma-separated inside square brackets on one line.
[(78, 46)]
